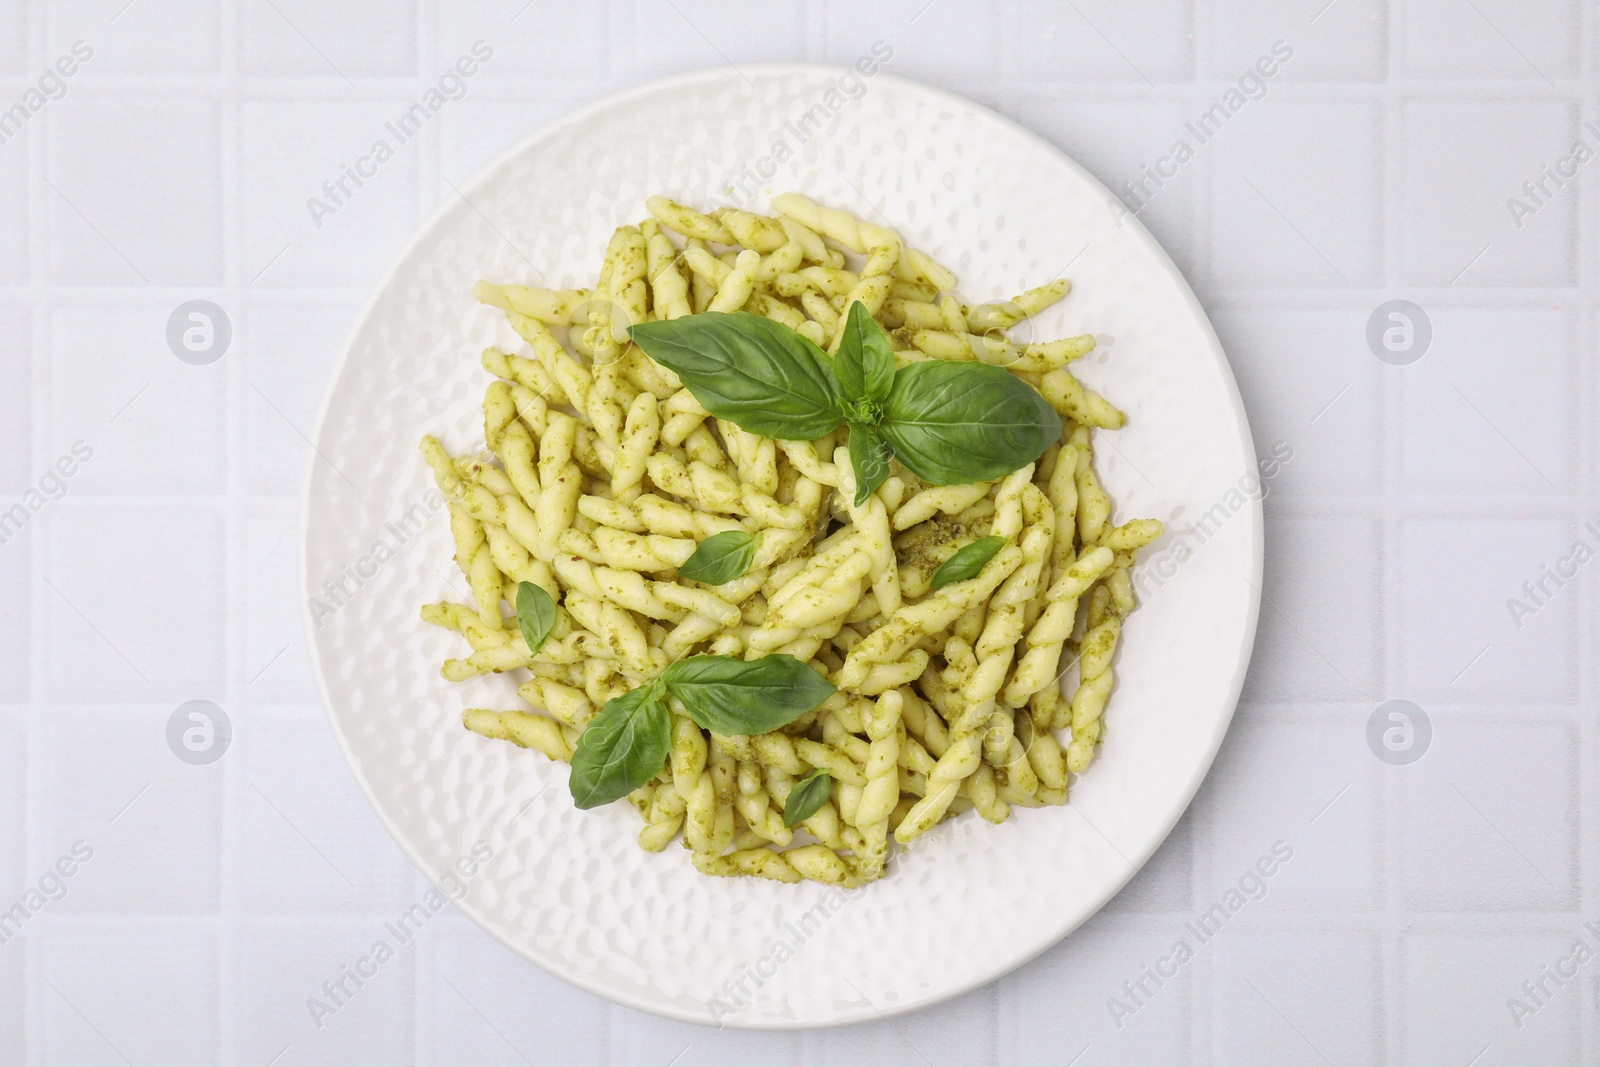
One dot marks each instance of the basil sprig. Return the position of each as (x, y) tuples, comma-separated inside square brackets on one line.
[(621, 749), (967, 562), (807, 797), (865, 363), (952, 423), (949, 423), (869, 458), (627, 744), (734, 696), (720, 558), (536, 614), (756, 373), (865, 369)]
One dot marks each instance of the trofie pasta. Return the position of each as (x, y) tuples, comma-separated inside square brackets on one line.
[(800, 549)]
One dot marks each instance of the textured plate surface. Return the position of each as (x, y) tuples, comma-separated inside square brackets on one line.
[(571, 890)]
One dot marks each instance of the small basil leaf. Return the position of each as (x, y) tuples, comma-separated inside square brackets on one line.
[(869, 458), (967, 562), (735, 696), (865, 362), (953, 423), (720, 558), (758, 374), (807, 797), (536, 613), (622, 748)]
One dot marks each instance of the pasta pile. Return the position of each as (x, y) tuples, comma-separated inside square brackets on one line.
[(606, 473)]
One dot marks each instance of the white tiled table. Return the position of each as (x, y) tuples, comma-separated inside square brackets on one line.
[(1420, 498)]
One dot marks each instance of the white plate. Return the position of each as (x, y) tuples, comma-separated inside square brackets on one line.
[(571, 890)]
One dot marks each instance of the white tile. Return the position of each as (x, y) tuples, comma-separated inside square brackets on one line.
[(1314, 394), (639, 1038), (1320, 636), (16, 627), (14, 191), (1507, 427), (167, 225), (1123, 143), (13, 37), (1098, 41), (1589, 472), (340, 41), (1462, 163), (1455, 989), (134, 611), (1490, 816), (15, 876), (16, 402), (1081, 998), (1296, 194), (1166, 882), (1311, 786), (1344, 41), (487, 1005), (476, 132), (275, 660), (161, 37), (13, 1004), (1469, 632), (289, 352), (515, 35), (152, 423), (1298, 997), (290, 150), (874, 1043), (963, 1036), (1491, 39), (947, 45), (154, 823), (284, 964), (143, 993), (309, 843), (701, 33)]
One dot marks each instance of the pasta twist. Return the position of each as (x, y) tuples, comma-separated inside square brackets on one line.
[(859, 236), (1049, 634), (520, 728), (882, 790)]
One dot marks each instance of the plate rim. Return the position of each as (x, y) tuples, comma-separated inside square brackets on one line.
[(1255, 533)]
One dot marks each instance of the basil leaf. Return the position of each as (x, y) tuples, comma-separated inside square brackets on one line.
[(756, 373), (807, 797), (967, 562), (735, 696), (865, 362), (869, 458), (622, 748), (536, 613), (720, 558), (953, 423)]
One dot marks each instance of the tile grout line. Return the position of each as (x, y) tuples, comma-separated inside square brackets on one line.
[(1587, 852), (40, 377), (1390, 973), (229, 937)]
